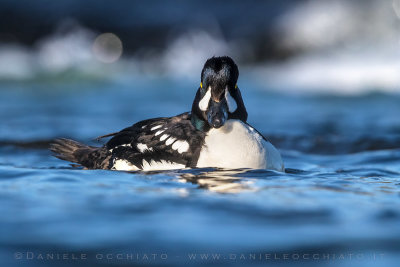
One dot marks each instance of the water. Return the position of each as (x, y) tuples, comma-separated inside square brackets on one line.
[(337, 204)]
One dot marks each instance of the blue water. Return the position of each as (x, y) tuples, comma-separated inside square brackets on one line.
[(338, 203)]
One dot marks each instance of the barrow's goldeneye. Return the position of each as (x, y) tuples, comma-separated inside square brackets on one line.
[(214, 134)]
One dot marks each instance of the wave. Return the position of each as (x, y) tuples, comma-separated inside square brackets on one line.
[(317, 144)]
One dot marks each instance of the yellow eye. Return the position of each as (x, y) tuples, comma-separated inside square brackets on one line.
[(235, 86), (201, 84)]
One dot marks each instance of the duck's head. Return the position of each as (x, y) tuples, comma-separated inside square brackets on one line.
[(218, 98)]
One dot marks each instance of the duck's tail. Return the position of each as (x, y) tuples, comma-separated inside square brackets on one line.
[(87, 156)]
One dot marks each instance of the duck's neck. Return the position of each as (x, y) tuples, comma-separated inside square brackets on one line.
[(199, 123), (198, 120)]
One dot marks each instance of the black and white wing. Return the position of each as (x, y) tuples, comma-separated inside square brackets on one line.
[(156, 144)]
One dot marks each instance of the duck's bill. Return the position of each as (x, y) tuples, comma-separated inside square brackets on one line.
[(217, 113)]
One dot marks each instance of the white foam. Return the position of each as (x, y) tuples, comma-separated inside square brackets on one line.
[(338, 55), (347, 74)]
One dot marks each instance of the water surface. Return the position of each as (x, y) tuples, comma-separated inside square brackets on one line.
[(339, 198)]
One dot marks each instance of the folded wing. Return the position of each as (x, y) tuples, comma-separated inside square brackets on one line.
[(156, 144)]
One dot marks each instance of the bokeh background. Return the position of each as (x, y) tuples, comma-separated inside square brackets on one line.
[(319, 78), (333, 46)]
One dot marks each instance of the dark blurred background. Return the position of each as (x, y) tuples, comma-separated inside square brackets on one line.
[(150, 25), (339, 45)]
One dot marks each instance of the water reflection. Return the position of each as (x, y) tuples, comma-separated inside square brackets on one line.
[(219, 180), (212, 179)]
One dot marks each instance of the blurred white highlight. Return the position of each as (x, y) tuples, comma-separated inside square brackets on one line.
[(396, 7), (342, 47), (65, 50), (316, 23), (347, 74), (107, 48), (322, 24), (186, 55), (15, 62)]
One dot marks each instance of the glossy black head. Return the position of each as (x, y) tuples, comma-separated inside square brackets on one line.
[(218, 98)]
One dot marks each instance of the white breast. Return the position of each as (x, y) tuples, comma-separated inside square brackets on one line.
[(237, 145)]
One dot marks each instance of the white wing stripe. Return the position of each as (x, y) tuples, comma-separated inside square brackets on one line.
[(181, 146), (155, 127)]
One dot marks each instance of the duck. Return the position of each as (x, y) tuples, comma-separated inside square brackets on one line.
[(215, 133)]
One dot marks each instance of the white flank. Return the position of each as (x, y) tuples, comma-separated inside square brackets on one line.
[(159, 132), (143, 147), (232, 105), (156, 127), (123, 165), (170, 141), (161, 165), (163, 137), (181, 146), (203, 104), (237, 145)]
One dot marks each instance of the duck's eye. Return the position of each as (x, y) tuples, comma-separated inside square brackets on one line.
[(235, 86), (201, 85)]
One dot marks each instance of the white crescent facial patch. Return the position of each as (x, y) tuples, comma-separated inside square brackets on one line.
[(232, 105), (203, 104)]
